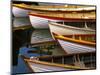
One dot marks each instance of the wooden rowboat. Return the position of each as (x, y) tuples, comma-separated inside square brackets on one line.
[(63, 29), (21, 10), (40, 20), (39, 15), (61, 63), (77, 43)]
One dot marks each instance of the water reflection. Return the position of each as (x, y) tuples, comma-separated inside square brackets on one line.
[(21, 21), (41, 35)]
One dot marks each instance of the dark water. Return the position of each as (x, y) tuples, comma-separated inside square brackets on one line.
[(20, 38)]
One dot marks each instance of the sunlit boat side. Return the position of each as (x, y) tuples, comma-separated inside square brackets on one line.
[(61, 63), (63, 29), (77, 43), (40, 20)]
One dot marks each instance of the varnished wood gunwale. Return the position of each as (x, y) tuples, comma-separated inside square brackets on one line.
[(53, 64), (63, 18), (27, 7), (27, 59), (87, 43)]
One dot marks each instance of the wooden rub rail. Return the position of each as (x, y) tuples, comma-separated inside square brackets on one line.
[(76, 41), (65, 15), (67, 61), (53, 64), (60, 8)]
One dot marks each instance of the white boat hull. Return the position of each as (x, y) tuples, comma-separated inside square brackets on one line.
[(19, 12), (68, 30), (40, 23), (72, 48), (45, 68)]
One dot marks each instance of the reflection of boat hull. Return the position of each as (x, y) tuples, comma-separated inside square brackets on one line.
[(40, 36), (20, 12), (39, 22), (20, 21), (68, 30)]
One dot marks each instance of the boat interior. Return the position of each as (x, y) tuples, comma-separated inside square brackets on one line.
[(85, 37), (91, 25)]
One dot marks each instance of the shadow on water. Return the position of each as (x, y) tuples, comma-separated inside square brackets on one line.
[(20, 38)]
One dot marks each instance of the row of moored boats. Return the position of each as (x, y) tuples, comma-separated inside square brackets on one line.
[(79, 43)]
